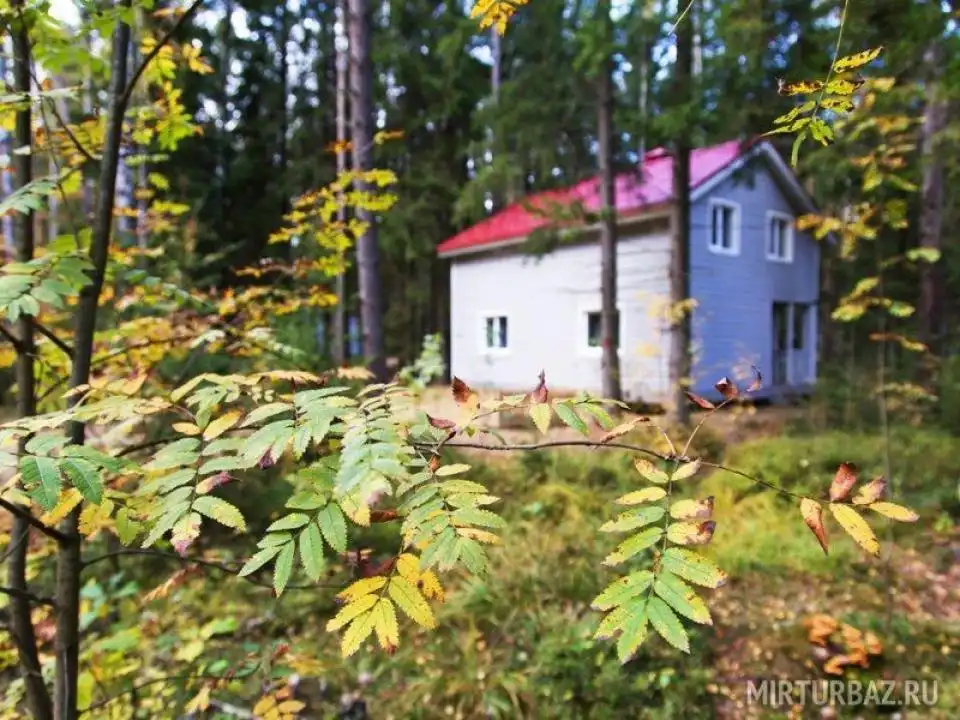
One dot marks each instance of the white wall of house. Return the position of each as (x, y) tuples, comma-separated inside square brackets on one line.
[(546, 303)]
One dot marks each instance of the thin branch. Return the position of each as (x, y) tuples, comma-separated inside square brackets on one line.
[(63, 123), (52, 337), (149, 57), (14, 340), (28, 516), (222, 567), (25, 595)]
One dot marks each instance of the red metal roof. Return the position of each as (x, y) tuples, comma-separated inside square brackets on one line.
[(632, 196)]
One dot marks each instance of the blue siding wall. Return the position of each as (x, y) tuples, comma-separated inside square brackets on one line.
[(733, 325)]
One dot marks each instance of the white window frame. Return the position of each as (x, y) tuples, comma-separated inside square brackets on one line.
[(487, 349), (584, 331), (787, 256), (734, 248)]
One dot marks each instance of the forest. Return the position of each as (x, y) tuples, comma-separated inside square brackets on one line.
[(242, 474)]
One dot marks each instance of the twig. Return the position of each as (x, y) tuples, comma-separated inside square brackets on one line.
[(28, 516), (222, 567), (52, 337), (26, 595), (149, 57)]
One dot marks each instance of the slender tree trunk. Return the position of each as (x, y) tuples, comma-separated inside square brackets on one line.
[(340, 309), (368, 253), (68, 558), (21, 624), (609, 317), (680, 357), (6, 147), (931, 210)]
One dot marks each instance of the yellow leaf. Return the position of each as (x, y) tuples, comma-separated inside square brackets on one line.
[(219, 426), (408, 597), (651, 494), (264, 704), (650, 472), (358, 631), (361, 588), (812, 513), (408, 566), (68, 501), (479, 535), (541, 413), (431, 587), (894, 511), (201, 701), (856, 527), (349, 612), (291, 706), (385, 623), (857, 60), (185, 428)]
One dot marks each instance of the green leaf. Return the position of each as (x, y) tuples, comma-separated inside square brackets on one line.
[(409, 599), (42, 480), (476, 516), (682, 598), (633, 519), (635, 632), (359, 630), (265, 411), (472, 555), (686, 470), (452, 469), (259, 559), (166, 522), (570, 418), (333, 526), (442, 550), (602, 417), (622, 590), (85, 477), (638, 497), (667, 624), (311, 551), (283, 568), (221, 511), (289, 522), (638, 543), (923, 254), (693, 567)]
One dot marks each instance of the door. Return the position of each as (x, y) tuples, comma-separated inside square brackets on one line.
[(781, 343)]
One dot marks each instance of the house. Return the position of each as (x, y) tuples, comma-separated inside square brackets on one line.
[(754, 277)]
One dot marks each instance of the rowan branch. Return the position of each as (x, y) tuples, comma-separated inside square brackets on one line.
[(52, 337), (25, 514), (149, 57)]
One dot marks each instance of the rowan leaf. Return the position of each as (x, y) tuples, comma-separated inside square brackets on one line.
[(622, 590), (858, 60), (686, 470), (333, 525), (871, 492), (651, 472), (856, 527), (362, 587), (311, 551), (219, 426), (293, 521), (800, 87), (682, 598), (476, 516), (638, 497), (85, 477), (614, 620), (813, 516), (894, 511), (638, 543), (843, 481), (693, 567), (359, 630), (635, 631), (259, 559), (452, 469), (221, 511), (692, 509), (633, 519), (282, 568), (350, 611), (42, 480), (385, 624), (186, 428), (568, 416), (667, 624), (687, 533), (408, 598)]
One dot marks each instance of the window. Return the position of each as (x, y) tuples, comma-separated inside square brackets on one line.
[(779, 237), (724, 228), (593, 330), (799, 326), (496, 332)]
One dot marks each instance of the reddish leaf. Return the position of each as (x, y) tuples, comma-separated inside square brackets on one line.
[(843, 481), (757, 380), (540, 394), (434, 463), (871, 492), (381, 516), (813, 516), (440, 423), (700, 401), (461, 391), (727, 388), (266, 461)]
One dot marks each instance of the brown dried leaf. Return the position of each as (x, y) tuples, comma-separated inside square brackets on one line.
[(463, 394), (871, 492), (540, 393), (813, 516), (843, 481), (692, 509), (700, 401), (440, 423), (757, 382), (685, 533), (726, 387), (834, 666), (623, 428), (819, 628)]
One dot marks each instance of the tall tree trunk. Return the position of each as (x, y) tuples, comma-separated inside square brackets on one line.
[(21, 624), (340, 309), (680, 356), (68, 558), (645, 57), (931, 210), (609, 317), (368, 253), (6, 147)]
